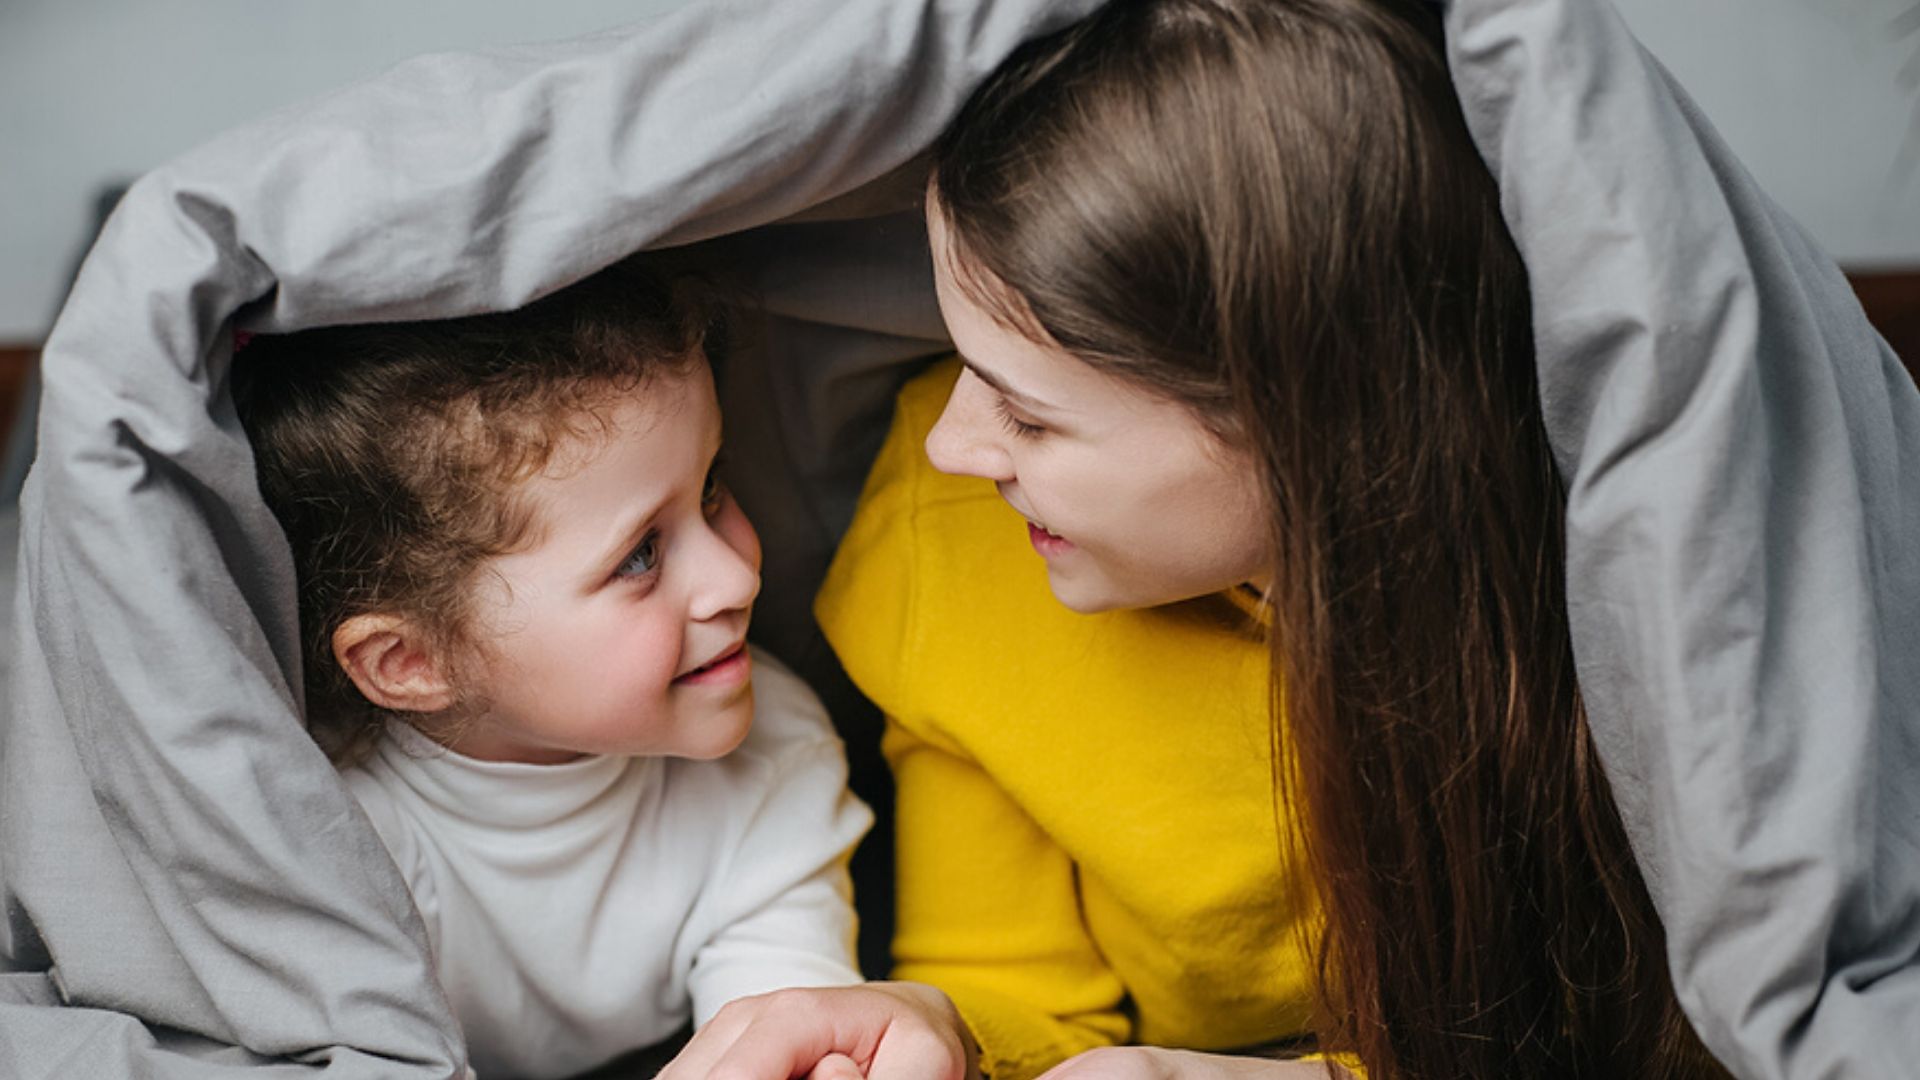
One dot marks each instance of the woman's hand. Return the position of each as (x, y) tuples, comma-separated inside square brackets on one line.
[(879, 1031), (1157, 1063)]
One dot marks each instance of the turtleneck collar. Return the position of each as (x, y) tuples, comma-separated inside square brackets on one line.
[(501, 794)]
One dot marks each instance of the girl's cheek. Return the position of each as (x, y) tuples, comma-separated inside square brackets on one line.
[(654, 646)]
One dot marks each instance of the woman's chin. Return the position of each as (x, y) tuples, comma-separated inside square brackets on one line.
[(1083, 589), (1083, 593)]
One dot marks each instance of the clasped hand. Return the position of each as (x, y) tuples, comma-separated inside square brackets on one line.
[(908, 1031), (878, 1031)]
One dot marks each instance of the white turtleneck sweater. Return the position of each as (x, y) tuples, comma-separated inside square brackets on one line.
[(581, 911)]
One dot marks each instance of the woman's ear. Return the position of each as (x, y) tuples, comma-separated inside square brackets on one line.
[(389, 659)]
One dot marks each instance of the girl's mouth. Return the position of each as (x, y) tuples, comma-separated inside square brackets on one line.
[(725, 668)]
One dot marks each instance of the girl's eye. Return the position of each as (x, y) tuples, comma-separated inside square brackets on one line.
[(1017, 427), (711, 491), (643, 560)]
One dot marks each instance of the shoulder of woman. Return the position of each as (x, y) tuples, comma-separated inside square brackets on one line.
[(870, 603)]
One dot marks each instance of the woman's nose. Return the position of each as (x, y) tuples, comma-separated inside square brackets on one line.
[(968, 439)]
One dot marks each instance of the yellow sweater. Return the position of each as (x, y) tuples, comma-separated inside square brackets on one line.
[(1088, 841)]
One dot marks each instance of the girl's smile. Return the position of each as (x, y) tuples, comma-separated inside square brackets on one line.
[(731, 668)]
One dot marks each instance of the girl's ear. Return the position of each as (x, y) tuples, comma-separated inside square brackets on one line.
[(388, 658)]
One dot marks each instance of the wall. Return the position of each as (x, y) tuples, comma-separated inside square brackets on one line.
[(1808, 91), (1820, 98)]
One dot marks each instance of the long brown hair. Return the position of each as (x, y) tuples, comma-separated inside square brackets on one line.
[(1272, 211)]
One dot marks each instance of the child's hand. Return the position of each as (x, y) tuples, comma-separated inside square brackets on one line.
[(879, 1031)]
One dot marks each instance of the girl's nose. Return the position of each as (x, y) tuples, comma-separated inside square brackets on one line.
[(729, 573), (968, 439)]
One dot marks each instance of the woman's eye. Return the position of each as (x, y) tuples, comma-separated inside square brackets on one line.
[(644, 558), (711, 491), (1018, 428)]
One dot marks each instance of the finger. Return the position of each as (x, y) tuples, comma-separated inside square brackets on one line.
[(784, 1038), (696, 1059), (836, 1067), (917, 1051)]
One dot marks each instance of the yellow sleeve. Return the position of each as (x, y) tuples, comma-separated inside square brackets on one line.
[(989, 911)]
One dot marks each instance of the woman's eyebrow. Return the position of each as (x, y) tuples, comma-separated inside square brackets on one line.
[(1015, 396)]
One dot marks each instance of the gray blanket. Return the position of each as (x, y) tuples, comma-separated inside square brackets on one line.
[(188, 890), (1743, 454)]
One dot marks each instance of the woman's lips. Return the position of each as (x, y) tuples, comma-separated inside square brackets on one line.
[(1046, 543), (729, 667)]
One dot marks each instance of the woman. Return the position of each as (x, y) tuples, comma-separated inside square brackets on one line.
[(1240, 319)]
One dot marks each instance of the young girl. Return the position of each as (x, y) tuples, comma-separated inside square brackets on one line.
[(1241, 330), (524, 596)]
